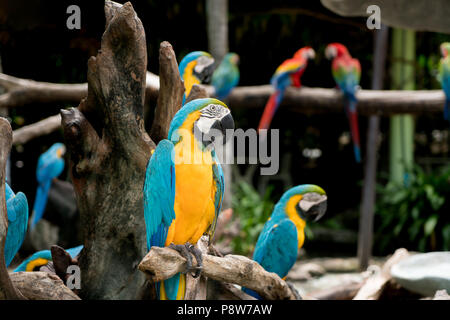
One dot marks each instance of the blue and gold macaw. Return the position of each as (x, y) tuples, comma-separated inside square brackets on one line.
[(283, 234), (17, 210), (226, 76), (444, 76), (195, 68), (41, 258), (50, 165), (184, 185)]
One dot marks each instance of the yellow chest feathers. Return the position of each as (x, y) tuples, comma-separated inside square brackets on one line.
[(293, 215)]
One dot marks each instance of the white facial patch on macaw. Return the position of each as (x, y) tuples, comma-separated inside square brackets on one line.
[(313, 205), (311, 54), (208, 127), (330, 52), (203, 62)]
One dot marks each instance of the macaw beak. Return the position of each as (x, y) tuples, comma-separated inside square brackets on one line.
[(312, 206), (224, 124)]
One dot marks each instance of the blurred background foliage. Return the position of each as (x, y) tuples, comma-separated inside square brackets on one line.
[(36, 44)]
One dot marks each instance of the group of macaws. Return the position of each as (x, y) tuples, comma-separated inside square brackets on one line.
[(182, 199), (50, 165)]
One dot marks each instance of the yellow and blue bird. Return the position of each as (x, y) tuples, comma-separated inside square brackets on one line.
[(444, 76), (50, 165), (184, 185), (195, 68), (283, 234), (17, 211), (226, 76), (41, 258)]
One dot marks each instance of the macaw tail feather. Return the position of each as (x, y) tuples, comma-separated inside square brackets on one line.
[(353, 119), (446, 115), (270, 109), (173, 288), (40, 202), (252, 293)]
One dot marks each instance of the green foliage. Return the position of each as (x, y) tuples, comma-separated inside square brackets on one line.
[(415, 215), (253, 211)]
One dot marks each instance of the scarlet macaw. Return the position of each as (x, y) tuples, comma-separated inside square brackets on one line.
[(195, 68), (287, 74), (226, 76), (41, 258), (444, 76), (184, 184), (50, 165), (283, 234), (17, 211), (347, 73)]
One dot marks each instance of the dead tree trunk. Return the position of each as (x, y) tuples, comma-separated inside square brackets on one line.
[(109, 151)]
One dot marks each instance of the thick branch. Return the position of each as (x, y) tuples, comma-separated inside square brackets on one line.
[(37, 129), (171, 93), (305, 100), (7, 289), (42, 286), (162, 263)]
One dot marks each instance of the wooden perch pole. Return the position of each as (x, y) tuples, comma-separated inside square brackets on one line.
[(7, 289), (162, 263)]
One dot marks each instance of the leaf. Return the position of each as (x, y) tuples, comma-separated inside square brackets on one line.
[(430, 224)]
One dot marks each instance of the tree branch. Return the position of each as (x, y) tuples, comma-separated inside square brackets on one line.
[(37, 129), (162, 263)]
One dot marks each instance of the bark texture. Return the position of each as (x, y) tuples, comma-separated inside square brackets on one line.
[(109, 150), (162, 263)]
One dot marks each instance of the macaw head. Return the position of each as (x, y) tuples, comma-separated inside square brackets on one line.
[(445, 49), (307, 202), (205, 118), (199, 64), (232, 57), (307, 53), (334, 50), (58, 149)]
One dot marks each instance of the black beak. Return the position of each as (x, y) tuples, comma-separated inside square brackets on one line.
[(223, 124), (206, 75), (313, 207)]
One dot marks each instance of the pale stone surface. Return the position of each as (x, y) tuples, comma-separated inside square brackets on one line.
[(424, 273)]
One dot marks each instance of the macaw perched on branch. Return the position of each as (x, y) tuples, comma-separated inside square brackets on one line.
[(226, 76), (41, 258), (347, 73), (17, 210), (287, 74), (196, 67), (444, 76), (50, 165), (184, 185), (283, 234)]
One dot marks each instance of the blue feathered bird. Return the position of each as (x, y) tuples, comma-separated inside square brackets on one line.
[(41, 258), (283, 234), (50, 165), (226, 76), (17, 210)]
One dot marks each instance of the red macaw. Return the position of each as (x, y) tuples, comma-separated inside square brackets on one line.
[(287, 74), (347, 73)]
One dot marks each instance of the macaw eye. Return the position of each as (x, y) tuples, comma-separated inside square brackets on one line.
[(213, 108)]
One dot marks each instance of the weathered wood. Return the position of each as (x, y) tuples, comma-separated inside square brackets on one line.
[(170, 97), (373, 287), (7, 289), (341, 292), (162, 263), (196, 287), (109, 151), (225, 291), (42, 286)]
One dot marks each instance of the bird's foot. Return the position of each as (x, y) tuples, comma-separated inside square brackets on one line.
[(185, 251)]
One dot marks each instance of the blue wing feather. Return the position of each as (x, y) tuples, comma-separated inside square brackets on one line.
[(219, 182), (17, 209), (159, 194)]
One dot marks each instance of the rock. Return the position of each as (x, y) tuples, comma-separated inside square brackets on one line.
[(306, 271), (424, 273)]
